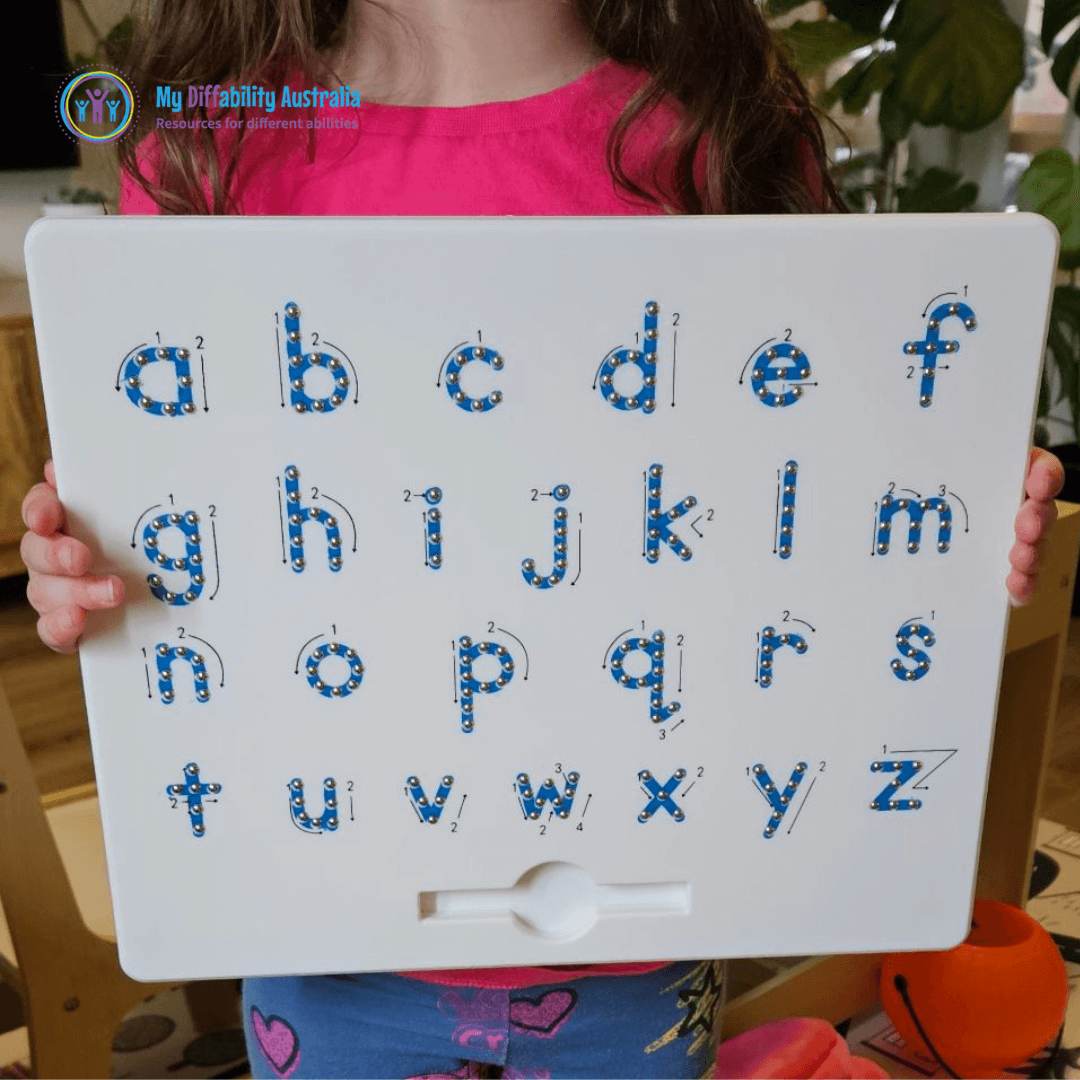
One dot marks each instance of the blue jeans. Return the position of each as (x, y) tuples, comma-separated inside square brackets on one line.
[(659, 1024)]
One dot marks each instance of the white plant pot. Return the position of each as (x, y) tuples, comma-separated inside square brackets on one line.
[(70, 210)]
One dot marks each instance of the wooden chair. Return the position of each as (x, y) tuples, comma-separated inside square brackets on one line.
[(58, 947)]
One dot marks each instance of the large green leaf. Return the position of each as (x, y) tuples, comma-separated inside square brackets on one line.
[(866, 16), (1063, 346), (936, 191), (816, 45), (117, 43), (893, 117), (855, 88), (958, 61), (1051, 187)]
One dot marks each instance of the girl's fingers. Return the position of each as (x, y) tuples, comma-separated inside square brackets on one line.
[(49, 593), (1021, 587), (41, 510), (54, 555), (1034, 519), (50, 474), (1046, 475), (60, 629), (1024, 557)]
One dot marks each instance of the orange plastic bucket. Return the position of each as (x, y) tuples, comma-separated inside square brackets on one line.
[(987, 1005)]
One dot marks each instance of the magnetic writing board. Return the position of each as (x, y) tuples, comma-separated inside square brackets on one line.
[(541, 591)]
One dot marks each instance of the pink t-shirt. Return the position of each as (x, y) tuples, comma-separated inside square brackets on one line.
[(544, 155)]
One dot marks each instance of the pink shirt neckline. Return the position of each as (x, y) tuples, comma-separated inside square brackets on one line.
[(494, 117)]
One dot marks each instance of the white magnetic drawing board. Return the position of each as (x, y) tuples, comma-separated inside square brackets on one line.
[(811, 396)]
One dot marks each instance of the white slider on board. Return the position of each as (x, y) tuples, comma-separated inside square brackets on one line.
[(556, 900)]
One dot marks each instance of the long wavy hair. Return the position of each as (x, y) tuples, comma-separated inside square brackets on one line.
[(744, 111)]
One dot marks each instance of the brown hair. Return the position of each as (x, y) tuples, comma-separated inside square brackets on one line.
[(744, 111)]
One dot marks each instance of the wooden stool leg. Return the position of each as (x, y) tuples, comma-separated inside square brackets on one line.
[(75, 993), (213, 1005)]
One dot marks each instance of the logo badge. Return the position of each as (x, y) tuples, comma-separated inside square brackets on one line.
[(97, 105)]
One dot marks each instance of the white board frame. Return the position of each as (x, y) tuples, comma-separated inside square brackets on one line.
[(255, 895)]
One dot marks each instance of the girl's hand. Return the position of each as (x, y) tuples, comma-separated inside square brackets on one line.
[(60, 590), (1046, 476)]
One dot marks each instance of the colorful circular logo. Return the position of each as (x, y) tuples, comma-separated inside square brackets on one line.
[(97, 105)]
